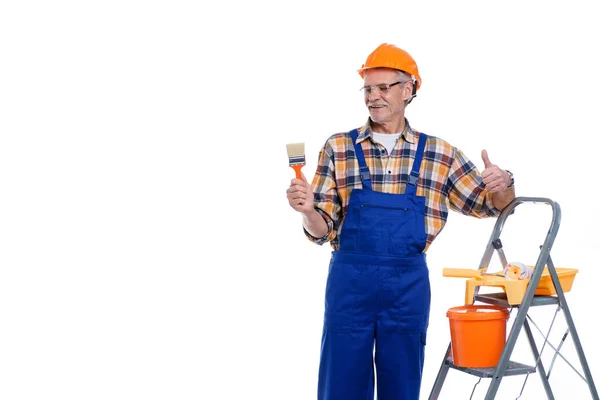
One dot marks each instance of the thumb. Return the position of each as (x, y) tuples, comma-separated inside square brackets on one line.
[(304, 177), (486, 160)]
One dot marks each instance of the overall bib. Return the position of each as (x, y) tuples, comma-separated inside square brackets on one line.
[(378, 295)]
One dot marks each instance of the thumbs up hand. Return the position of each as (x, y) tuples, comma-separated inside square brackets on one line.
[(494, 178)]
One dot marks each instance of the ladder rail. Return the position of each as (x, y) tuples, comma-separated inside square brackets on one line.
[(572, 330), (533, 283)]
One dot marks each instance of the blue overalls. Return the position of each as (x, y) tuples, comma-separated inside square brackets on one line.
[(377, 295)]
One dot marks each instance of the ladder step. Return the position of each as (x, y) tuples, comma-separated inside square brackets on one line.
[(500, 299), (514, 368)]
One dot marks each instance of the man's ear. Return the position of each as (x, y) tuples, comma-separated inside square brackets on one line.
[(410, 90)]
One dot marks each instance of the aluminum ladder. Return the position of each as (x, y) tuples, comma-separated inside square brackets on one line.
[(506, 367)]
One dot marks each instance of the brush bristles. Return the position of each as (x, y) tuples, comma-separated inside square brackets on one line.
[(295, 149), (296, 153)]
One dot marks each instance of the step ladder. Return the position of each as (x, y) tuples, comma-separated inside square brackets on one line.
[(505, 366)]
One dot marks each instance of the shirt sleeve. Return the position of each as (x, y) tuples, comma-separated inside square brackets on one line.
[(467, 193), (326, 199)]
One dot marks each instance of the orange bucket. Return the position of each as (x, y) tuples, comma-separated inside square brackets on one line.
[(478, 334)]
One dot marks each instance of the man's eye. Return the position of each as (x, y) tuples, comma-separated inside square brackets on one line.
[(383, 88)]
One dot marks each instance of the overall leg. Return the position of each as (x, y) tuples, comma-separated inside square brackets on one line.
[(401, 332), (399, 358), (346, 367)]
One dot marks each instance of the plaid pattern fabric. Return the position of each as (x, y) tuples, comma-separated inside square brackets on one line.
[(447, 179)]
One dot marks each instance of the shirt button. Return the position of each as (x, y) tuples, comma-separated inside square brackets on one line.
[(389, 172)]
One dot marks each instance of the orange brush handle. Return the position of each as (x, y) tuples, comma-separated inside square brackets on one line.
[(297, 169), (462, 272)]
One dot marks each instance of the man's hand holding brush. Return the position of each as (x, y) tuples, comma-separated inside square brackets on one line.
[(301, 198), (300, 195)]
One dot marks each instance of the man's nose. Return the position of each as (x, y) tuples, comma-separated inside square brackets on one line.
[(373, 95)]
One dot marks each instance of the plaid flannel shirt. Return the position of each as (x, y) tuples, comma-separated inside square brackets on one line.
[(448, 179)]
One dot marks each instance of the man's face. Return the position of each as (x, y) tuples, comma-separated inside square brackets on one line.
[(385, 106)]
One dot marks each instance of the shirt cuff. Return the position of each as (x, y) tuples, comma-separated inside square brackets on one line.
[(330, 232), (491, 210)]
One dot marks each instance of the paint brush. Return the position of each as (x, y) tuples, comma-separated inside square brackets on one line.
[(296, 155)]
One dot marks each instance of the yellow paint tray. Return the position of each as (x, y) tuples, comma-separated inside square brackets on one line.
[(514, 289), (566, 276)]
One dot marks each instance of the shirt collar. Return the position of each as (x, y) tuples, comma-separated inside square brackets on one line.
[(366, 132)]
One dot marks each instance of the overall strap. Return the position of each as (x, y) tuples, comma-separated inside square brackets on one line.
[(365, 175), (413, 178)]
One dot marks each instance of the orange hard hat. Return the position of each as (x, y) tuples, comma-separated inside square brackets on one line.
[(390, 56)]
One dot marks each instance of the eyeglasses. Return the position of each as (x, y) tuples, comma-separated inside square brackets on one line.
[(383, 88)]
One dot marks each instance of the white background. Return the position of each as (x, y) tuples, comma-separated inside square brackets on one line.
[(147, 250)]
